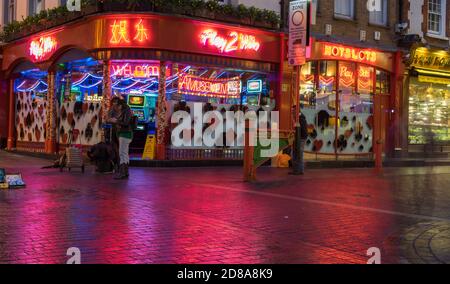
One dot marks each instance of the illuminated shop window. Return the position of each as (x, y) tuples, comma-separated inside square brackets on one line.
[(429, 116)]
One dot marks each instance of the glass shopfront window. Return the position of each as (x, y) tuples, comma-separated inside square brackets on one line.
[(30, 89), (356, 85), (429, 116)]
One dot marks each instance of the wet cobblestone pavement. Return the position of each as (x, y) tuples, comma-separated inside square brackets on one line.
[(210, 216)]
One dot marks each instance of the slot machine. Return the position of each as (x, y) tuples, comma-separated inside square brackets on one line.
[(144, 108)]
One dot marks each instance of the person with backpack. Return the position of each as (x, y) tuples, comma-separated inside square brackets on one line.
[(123, 120)]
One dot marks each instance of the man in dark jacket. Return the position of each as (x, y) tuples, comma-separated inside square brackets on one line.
[(123, 121), (303, 138)]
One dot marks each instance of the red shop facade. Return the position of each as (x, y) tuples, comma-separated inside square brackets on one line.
[(351, 98), (64, 78)]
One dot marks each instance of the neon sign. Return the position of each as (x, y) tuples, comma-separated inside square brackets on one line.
[(136, 70), (234, 41), (349, 53), (42, 47), (205, 87), (347, 78), (121, 34), (254, 86), (365, 78)]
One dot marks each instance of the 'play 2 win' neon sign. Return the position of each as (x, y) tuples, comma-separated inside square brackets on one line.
[(42, 47), (232, 42)]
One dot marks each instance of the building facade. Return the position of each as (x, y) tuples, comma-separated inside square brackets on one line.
[(426, 123), (15, 10), (351, 85), (58, 81)]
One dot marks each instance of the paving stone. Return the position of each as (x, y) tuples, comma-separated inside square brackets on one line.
[(201, 215)]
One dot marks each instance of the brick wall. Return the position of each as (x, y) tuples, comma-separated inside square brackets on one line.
[(350, 29), (434, 41)]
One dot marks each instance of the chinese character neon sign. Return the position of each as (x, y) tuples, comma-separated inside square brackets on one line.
[(234, 41), (42, 47), (205, 87), (121, 33), (141, 32), (136, 70), (349, 53)]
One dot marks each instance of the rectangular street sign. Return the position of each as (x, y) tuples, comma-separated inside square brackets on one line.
[(298, 31)]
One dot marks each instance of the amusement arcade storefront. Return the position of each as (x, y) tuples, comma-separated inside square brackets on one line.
[(63, 79), (347, 97)]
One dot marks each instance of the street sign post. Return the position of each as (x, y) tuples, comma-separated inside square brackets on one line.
[(299, 33), (299, 14)]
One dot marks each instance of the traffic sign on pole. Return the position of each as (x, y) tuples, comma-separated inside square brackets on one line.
[(299, 29)]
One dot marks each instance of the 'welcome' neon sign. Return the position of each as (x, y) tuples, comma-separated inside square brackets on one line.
[(205, 87), (234, 41), (42, 47), (136, 70)]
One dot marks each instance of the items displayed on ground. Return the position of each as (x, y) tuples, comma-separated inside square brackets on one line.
[(11, 181)]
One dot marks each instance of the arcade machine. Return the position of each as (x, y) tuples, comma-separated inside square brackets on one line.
[(144, 107), (254, 96)]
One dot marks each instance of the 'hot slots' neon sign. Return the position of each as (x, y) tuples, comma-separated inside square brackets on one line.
[(233, 42), (349, 53)]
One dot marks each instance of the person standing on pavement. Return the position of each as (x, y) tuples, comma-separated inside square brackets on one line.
[(303, 138), (123, 122)]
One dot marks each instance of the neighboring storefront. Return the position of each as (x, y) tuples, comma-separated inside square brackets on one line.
[(61, 81), (347, 99), (428, 90)]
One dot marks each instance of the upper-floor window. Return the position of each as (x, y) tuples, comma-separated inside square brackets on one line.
[(9, 11), (436, 17), (379, 14), (344, 9), (35, 6)]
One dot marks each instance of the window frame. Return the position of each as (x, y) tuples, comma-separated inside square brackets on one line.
[(343, 16), (443, 19), (385, 14)]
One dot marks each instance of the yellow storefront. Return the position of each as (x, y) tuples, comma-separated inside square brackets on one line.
[(428, 87)]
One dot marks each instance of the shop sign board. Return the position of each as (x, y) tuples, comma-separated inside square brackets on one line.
[(228, 43), (349, 53), (128, 32), (199, 86), (154, 33), (434, 80), (135, 69), (425, 58), (41, 48), (299, 27)]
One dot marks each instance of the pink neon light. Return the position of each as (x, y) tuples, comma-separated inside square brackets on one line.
[(42, 47), (135, 70), (233, 42), (198, 86)]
